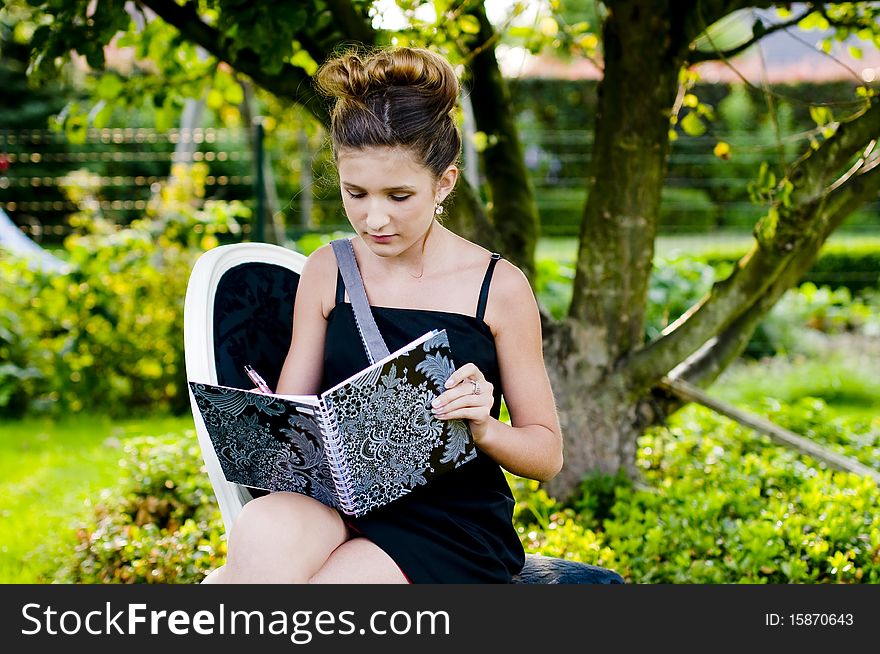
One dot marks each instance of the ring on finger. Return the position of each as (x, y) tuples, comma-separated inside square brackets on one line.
[(476, 386)]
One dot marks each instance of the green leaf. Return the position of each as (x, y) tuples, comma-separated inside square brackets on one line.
[(480, 141), (519, 32), (304, 60), (76, 128), (692, 125), (102, 117), (469, 24), (233, 94), (214, 99), (821, 115), (164, 118), (109, 87)]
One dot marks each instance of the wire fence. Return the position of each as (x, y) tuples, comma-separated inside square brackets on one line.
[(41, 168)]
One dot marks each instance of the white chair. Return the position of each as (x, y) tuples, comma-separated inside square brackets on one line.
[(239, 310)]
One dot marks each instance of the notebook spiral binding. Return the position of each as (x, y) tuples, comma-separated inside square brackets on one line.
[(335, 457)]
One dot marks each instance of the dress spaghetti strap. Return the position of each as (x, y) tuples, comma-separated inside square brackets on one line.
[(340, 287), (484, 289)]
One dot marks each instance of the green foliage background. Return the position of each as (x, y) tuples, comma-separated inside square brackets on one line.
[(715, 503), (107, 334)]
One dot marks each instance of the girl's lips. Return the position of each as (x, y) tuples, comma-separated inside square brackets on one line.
[(381, 239)]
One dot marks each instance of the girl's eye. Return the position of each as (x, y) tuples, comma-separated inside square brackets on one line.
[(399, 198), (355, 195)]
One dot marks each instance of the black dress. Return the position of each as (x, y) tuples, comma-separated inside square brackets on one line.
[(458, 528)]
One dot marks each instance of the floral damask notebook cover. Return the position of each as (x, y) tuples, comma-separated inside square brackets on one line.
[(360, 445)]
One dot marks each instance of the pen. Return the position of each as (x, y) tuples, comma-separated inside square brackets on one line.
[(259, 381)]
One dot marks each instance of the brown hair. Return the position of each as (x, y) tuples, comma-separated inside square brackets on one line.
[(397, 97)]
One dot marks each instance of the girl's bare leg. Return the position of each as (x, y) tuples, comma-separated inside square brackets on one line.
[(280, 538), (359, 561)]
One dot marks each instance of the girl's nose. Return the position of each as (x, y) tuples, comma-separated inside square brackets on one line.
[(377, 219)]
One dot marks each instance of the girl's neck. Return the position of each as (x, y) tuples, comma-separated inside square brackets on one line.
[(423, 258)]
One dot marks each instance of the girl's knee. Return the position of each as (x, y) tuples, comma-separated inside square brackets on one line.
[(283, 537), (284, 518)]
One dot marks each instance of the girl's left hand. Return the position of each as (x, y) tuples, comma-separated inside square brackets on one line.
[(469, 396)]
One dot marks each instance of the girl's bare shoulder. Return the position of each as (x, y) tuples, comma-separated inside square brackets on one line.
[(511, 303), (509, 283), (318, 277)]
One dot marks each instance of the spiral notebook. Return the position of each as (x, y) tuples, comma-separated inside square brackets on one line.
[(357, 446)]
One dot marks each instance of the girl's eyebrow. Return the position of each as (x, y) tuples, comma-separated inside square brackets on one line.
[(408, 189)]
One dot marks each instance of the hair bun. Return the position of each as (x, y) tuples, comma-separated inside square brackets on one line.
[(356, 78), (394, 97), (344, 78)]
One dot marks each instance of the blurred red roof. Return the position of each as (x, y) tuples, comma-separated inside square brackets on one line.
[(787, 58)]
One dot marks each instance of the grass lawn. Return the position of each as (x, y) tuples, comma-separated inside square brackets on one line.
[(51, 473), (845, 377)]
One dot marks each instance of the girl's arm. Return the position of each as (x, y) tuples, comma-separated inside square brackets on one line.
[(304, 364), (531, 446)]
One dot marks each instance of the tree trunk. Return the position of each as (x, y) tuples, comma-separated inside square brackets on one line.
[(512, 209), (616, 246), (597, 413), (607, 313)]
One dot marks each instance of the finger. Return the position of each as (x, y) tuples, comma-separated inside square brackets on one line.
[(482, 402), (464, 390), (467, 413), (464, 372)]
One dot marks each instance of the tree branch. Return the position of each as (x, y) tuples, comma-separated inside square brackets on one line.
[(699, 56), (707, 363), (777, 434), (698, 15), (703, 368), (510, 186), (797, 231), (290, 82), (351, 23)]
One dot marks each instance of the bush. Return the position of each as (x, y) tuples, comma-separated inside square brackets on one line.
[(806, 315), (687, 210), (162, 525), (854, 265), (676, 284), (553, 285), (715, 503), (719, 504), (107, 333)]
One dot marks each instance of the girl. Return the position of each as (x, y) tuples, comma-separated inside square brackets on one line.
[(396, 146)]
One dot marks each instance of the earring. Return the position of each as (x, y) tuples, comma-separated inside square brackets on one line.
[(438, 209)]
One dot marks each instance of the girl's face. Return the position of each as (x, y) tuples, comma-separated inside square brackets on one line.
[(389, 197)]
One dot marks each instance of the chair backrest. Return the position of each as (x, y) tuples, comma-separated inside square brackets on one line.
[(238, 310)]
